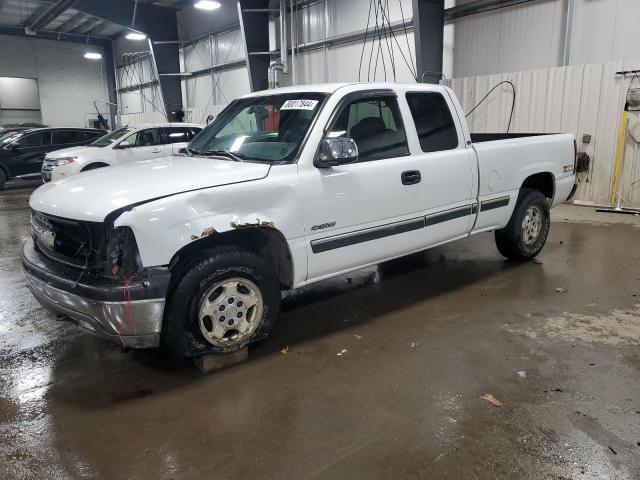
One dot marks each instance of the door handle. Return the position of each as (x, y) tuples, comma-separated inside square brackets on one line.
[(410, 177), (156, 151)]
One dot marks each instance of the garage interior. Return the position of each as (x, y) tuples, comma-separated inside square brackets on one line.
[(448, 363)]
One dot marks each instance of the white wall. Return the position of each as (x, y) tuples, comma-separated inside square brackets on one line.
[(532, 35), (68, 83)]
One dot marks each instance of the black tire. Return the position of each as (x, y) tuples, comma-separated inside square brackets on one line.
[(3, 178), (182, 332), (511, 241)]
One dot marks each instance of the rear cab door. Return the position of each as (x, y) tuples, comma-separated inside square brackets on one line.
[(178, 137)]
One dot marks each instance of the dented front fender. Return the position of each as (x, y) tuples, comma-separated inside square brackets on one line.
[(164, 226)]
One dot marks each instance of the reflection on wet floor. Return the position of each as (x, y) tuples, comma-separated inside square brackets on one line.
[(381, 378)]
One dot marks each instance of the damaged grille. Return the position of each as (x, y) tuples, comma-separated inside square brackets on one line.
[(75, 243)]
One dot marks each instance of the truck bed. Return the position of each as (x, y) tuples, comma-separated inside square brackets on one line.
[(490, 137)]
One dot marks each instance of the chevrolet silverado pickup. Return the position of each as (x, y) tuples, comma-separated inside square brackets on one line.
[(284, 188)]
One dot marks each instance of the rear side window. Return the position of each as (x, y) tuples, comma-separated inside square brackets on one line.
[(376, 126), (36, 139), (179, 134), (91, 135), (435, 126), (69, 136)]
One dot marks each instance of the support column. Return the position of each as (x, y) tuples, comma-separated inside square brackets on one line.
[(254, 23), (428, 28)]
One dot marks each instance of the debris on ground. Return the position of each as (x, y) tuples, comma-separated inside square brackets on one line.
[(613, 451), (561, 290), (491, 399), (537, 262), (358, 336), (285, 350), (522, 374), (413, 345), (341, 352)]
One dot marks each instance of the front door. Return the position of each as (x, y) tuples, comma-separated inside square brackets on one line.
[(143, 145), (395, 199), (29, 153)]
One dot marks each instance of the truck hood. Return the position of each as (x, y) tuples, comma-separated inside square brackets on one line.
[(93, 195)]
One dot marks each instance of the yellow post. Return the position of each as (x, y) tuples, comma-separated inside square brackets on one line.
[(619, 157)]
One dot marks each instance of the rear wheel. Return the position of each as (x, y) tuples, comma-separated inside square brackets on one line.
[(221, 303), (3, 179), (526, 233)]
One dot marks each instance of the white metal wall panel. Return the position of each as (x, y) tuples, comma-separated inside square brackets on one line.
[(233, 84), (350, 16), (229, 47), (130, 102), (525, 36), (605, 30), (584, 99), (197, 56)]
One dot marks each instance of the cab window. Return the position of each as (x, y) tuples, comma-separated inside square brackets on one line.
[(376, 126), (68, 136), (434, 124), (179, 134), (36, 139)]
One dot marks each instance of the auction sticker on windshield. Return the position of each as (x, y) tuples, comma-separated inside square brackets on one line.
[(299, 105)]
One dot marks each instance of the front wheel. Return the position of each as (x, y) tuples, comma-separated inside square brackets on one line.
[(222, 302), (526, 233)]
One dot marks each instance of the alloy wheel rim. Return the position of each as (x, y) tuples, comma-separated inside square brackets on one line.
[(230, 311), (531, 225)]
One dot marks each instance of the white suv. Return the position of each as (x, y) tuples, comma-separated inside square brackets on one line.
[(128, 144)]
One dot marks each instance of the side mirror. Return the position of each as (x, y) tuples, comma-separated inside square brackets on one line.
[(336, 151), (183, 150), (124, 144)]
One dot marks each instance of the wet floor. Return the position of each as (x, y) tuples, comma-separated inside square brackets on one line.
[(381, 378)]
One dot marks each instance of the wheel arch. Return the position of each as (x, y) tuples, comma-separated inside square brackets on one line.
[(544, 182), (263, 240), (94, 165)]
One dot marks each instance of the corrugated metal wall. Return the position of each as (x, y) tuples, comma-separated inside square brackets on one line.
[(582, 99), (532, 35)]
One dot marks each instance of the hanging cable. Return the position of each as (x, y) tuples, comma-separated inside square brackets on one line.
[(410, 66), (406, 36), (364, 43), (513, 101)]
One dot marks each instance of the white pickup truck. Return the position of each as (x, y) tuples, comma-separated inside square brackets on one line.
[(285, 188)]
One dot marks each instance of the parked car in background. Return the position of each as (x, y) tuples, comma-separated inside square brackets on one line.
[(22, 151), (285, 188), (128, 144)]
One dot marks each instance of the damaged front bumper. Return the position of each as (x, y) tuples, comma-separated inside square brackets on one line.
[(128, 315)]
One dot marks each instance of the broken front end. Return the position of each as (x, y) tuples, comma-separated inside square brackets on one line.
[(91, 272)]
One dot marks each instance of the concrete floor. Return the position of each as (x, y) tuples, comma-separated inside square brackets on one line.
[(382, 378)]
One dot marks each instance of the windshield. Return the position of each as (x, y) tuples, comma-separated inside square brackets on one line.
[(109, 138), (8, 137), (265, 128)]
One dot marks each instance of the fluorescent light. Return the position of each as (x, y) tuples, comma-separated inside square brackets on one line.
[(136, 36), (93, 56), (207, 5)]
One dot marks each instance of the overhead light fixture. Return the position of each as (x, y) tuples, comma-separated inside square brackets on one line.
[(93, 56), (135, 36), (207, 5)]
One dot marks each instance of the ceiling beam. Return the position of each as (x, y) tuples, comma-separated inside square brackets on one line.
[(73, 22), (49, 14)]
